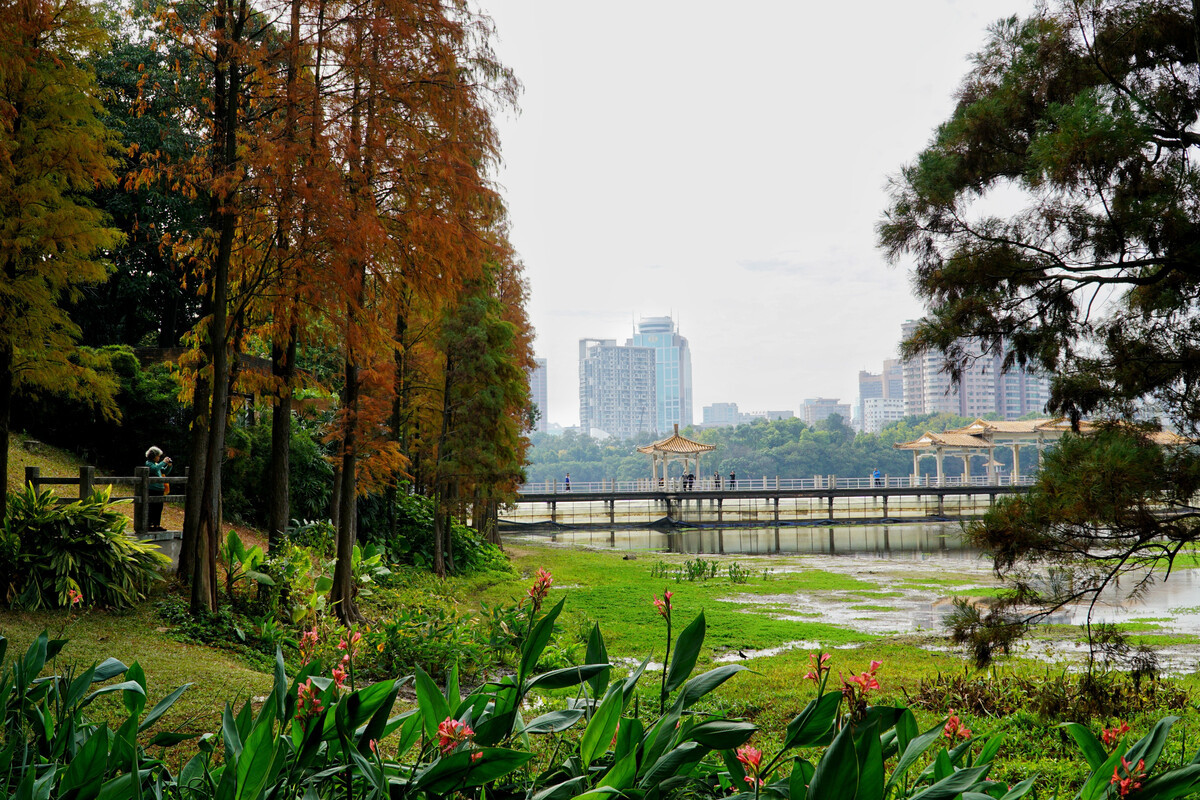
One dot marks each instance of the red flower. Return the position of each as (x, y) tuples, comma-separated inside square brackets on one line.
[(664, 604), (308, 703), (954, 727), (452, 733), (540, 588), (339, 677), (1133, 777), (75, 596), (1111, 736)]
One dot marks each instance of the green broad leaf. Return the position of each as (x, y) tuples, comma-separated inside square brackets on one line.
[(567, 676), (123, 686), (78, 686), (124, 786), (801, 777), (431, 701), (629, 735), (597, 653), (672, 762), (135, 701), (621, 774), (1150, 746), (83, 775), (1182, 782), (915, 749), (600, 729), (107, 669), (870, 765), (989, 749), (539, 637), (161, 707), (322, 585), (737, 773), (687, 650), (35, 657), (836, 774), (954, 784), (704, 683), (943, 767), (453, 693), (260, 577), (378, 724), (554, 721), (230, 735), (562, 791), (255, 765), (495, 728), (814, 722), (458, 771), (1097, 785), (659, 737), (906, 730), (722, 734), (170, 739), (279, 693), (1021, 789)]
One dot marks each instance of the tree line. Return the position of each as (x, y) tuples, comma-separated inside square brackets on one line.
[(296, 194), (787, 448)]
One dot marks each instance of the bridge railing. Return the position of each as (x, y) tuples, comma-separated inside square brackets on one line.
[(764, 483)]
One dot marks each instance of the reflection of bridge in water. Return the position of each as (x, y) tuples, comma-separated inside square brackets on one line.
[(904, 541), (753, 506)]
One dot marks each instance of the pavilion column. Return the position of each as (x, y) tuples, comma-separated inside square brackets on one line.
[(966, 476), (991, 465), (1016, 470), (939, 467), (916, 467)]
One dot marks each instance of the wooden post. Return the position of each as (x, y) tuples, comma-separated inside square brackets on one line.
[(87, 477), (885, 499), (777, 522), (33, 477), (141, 501)]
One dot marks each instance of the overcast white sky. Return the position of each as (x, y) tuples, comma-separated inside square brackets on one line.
[(724, 163)]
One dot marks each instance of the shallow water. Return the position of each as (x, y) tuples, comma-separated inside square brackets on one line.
[(911, 563)]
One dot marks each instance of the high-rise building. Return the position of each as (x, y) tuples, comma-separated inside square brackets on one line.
[(537, 394), (984, 387), (816, 409), (879, 412), (616, 388), (673, 370)]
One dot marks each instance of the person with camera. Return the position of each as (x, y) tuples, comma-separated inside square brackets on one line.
[(159, 466)]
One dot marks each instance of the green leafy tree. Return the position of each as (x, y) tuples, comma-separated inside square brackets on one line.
[(1081, 117), (53, 151)]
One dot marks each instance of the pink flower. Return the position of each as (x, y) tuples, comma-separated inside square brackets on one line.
[(308, 645), (817, 665), (452, 733), (476, 756), (308, 703), (339, 677), (751, 759), (1111, 736), (954, 727), (75, 596), (664, 604), (374, 745), (866, 682)]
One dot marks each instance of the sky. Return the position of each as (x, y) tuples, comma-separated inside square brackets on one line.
[(725, 164)]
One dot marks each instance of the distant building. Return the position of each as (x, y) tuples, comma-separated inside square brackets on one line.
[(879, 412), (616, 388), (983, 389), (537, 394), (750, 416), (816, 409), (721, 414), (673, 370), (888, 384)]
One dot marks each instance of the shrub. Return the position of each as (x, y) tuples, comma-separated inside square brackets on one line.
[(79, 546), (411, 541), (245, 484)]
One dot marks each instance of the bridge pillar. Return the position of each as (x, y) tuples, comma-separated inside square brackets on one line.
[(831, 504), (720, 511), (777, 521), (612, 511), (885, 508), (941, 504), (553, 511)]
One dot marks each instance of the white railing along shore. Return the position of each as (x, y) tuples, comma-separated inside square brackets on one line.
[(766, 483)]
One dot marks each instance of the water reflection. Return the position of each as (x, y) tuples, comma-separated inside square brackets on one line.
[(882, 541)]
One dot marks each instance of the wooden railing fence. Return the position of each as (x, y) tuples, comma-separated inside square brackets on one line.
[(139, 482)]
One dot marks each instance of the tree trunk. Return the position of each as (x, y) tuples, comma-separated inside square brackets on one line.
[(283, 367), (197, 469), (342, 593), (6, 390), (335, 496)]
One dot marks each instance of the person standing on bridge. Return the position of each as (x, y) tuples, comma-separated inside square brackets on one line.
[(732, 480), (877, 476), (567, 483)]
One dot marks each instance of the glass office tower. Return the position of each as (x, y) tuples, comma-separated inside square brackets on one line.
[(673, 370)]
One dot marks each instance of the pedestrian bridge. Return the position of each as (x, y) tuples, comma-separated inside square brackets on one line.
[(752, 501)]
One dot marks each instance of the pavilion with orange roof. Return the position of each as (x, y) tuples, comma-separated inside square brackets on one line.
[(675, 448)]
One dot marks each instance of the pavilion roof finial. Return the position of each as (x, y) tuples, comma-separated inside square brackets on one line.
[(676, 428)]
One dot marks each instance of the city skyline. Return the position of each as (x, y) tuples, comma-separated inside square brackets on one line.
[(741, 201)]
